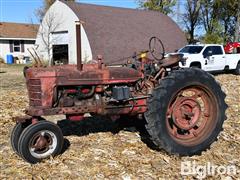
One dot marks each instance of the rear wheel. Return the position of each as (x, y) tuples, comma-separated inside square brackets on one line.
[(237, 70), (197, 66), (186, 112), (39, 141)]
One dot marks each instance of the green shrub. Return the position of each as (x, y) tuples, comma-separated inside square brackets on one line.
[(213, 39)]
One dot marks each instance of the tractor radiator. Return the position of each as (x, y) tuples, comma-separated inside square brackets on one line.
[(34, 92)]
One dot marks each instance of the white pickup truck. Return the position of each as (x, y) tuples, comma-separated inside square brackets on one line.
[(209, 57)]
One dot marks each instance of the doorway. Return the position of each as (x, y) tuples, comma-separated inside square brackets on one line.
[(60, 54)]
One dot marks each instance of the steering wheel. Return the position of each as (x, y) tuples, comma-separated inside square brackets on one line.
[(156, 48)]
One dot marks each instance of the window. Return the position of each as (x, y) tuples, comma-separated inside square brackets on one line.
[(212, 50), (191, 49), (207, 51), (217, 50), (16, 46)]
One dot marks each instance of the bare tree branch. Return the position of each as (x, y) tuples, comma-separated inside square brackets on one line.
[(191, 17), (49, 25)]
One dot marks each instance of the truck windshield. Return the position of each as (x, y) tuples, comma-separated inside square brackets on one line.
[(191, 49)]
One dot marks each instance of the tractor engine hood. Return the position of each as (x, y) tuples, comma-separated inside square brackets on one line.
[(90, 74)]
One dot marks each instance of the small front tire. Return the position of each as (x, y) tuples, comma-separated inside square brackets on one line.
[(15, 134), (40, 141)]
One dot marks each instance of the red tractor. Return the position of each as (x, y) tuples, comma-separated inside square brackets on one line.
[(184, 109), (231, 46)]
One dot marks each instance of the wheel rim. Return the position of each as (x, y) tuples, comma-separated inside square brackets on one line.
[(42, 144), (191, 115)]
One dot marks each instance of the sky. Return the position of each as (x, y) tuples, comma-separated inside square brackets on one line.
[(23, 10)]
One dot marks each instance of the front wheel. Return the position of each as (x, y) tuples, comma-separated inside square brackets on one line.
[(186, 112), (39, 141), (15, 134)]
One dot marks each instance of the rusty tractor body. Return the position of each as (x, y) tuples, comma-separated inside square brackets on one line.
[(184, 109), (80, 90)]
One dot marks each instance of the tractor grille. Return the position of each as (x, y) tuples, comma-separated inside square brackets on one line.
[(34, 92)]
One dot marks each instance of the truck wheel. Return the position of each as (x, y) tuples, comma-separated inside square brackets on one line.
[(186, 112), (237, 70), (197, 66), (40, 141)]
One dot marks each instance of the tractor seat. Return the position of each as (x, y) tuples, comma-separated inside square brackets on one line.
[(171, 60)]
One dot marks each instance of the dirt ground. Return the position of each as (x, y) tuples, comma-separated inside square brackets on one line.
[(96, 148)]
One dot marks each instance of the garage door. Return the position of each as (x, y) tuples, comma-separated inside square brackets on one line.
[(60, 37)]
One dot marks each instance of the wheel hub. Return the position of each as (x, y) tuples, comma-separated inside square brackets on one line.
[(186, 112), (43, 144)]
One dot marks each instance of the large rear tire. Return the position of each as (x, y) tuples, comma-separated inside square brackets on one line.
[(186, 112)]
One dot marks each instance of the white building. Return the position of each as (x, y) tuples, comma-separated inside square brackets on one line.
[(16, 38), (115, 33)]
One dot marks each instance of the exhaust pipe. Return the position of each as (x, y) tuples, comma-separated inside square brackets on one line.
[(79, 45)]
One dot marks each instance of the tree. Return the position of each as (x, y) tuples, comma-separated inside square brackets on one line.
[(221, 14), (50, 24), (40, 12), (227, 16), (209, 13), (214, 37), (191, 17), (237, 26), (163, 6)]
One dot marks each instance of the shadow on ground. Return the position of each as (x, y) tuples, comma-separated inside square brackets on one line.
[(104, 124)]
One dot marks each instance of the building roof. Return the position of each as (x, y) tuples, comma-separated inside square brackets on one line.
[(116, 32), (18, 30)]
